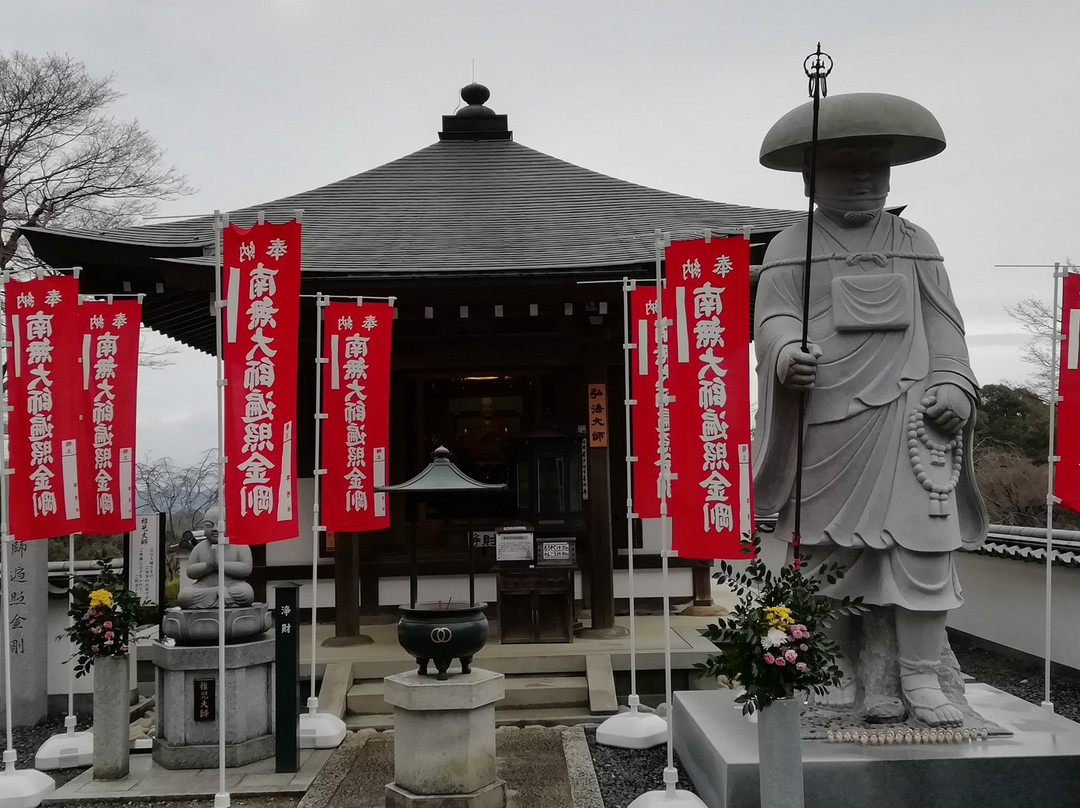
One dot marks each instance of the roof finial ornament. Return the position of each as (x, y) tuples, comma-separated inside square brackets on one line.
[(475, 95), (475, 121)]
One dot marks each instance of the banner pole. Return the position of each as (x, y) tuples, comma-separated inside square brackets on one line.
[(27, 787), (221, 798), (633, 729), (318, 471), (1055, 375), (628, 286)]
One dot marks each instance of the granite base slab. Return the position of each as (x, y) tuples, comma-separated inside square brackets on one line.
[(1038, 765)]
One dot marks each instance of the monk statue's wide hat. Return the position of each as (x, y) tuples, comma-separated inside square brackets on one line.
[(910, 128)]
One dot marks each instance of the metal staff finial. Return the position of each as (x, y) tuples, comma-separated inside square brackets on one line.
[(817, 66)]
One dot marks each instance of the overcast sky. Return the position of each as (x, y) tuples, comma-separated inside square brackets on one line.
[(259, 99)]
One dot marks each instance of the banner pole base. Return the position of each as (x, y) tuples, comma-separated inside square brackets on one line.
[(23, 789)]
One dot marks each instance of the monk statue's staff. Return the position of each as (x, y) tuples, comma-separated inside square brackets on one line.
[(817, 67)]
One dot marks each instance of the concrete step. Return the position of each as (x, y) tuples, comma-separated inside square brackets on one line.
[(528, 691), (522, 692), (541, 716), (508, 665)]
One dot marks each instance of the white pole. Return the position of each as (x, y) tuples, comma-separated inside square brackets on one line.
[(5, 543), (662, 402), (221, 799), (316, 525), (69, 722), (1051, 500), (627, 288)]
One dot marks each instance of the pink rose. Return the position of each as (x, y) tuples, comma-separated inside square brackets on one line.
[(124, 648), (95, 630), (801, 667), (107, 624), (789, 655), (110, 635), (769, 658), (94, 648), (780, 662), (91, 612), (804, 647)]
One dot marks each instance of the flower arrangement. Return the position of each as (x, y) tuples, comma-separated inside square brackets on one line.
[(774, 642), (104, 614)]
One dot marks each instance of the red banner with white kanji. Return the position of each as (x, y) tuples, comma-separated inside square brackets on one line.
[(356, 429), (706, 304), (110, 369), (1067, 470), (644, 432), (260, 326), (45, 397)]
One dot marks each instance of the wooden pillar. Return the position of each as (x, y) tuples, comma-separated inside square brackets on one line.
[(601, 556), (702, 583), (346, 587), (602, 566)]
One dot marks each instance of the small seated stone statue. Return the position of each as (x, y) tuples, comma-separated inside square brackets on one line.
[(194, 621), (202, 568)]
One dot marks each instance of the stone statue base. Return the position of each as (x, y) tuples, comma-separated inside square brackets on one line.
[(1038, 765), (191, 702), (200, 626)]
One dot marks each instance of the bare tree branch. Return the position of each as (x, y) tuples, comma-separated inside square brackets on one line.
[(182, 493), (65, 160)]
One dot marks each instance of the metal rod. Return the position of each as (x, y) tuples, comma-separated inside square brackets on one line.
[(221, 799), (627, 288), (316, 523), (664, 477), (1055, 380), (816, 73), (5, 542)]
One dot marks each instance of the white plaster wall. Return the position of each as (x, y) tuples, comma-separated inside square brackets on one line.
[(1004, 602)]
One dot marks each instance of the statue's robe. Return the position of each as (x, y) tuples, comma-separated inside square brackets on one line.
[(883, 315)]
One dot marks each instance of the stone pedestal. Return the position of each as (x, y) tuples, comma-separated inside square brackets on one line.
[(444, 740), (1037, 765), (187, 687), (112, 717)]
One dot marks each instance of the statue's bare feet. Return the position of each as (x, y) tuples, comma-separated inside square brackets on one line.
[(928, 704)]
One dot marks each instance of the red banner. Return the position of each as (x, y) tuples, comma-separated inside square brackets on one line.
[(110, 368), (706, 304), (1067, 470), (261, 285), (42, 322), (643, 414), (356, 400)]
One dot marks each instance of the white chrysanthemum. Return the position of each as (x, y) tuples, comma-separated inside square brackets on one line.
[(773, 638)]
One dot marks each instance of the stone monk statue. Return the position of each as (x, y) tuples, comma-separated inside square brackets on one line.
[(202, 567), (888, 481)]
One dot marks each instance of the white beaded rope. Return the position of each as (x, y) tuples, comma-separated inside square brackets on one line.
[(907, 735), (918, 436)]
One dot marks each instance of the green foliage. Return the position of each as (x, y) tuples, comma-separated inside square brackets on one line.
[(104, 615), (172, 592), (1013, 418), (774, 643)]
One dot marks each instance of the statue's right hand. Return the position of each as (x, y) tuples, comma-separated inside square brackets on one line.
[(796, 368)]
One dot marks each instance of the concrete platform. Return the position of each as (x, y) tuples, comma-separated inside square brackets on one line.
[(147, 779), (1038, 766)]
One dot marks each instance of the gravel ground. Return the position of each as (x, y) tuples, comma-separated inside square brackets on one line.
[(625, 774)]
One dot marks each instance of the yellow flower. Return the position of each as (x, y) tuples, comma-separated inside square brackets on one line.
[(101, 597), (778, 616)]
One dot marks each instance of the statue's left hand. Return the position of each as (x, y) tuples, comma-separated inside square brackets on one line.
[(950, 408)]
